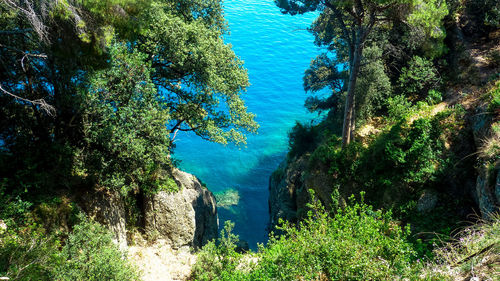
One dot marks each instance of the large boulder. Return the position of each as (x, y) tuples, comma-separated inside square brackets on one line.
[(184, 218), (488, 191)]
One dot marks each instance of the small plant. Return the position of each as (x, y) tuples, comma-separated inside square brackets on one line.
[(90, 254), (218, 261), (473, 253), (434, 97), (494, 96), (168, 185), (418, 78), (490, 150), (398, 107)]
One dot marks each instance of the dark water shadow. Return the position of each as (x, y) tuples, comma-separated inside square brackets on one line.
[(251, 214)]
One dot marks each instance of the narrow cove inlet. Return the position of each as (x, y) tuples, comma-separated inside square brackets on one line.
[(166, 139), (276, 49)]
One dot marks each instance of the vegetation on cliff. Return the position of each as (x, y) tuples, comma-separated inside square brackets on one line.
[(92, 95), (353, 243), (422, 158)]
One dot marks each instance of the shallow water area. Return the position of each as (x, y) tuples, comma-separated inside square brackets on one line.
[(276, 49)]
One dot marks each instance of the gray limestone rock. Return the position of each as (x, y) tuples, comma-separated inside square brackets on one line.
[(107, 207), (427, 201), (187, 217)]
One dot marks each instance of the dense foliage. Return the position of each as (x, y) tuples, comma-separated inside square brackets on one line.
[(90, 254), (29, 253), (346, 29), (96, 92), (92, 96), (414, 151), (355, 243)]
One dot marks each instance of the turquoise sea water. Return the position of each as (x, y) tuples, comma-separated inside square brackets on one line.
[(276, 49)]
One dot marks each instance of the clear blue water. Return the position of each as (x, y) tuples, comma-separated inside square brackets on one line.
[(276, 49)]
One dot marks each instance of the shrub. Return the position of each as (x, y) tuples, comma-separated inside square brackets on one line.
[(494, 96), (302, 139), (356, 243), (434, 97), (407, 155), (398, 107), (418, 77), (218, 261), (90, 254), (27, 253)]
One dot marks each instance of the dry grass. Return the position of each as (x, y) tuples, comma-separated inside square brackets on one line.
[(491, 145), (474, 255)]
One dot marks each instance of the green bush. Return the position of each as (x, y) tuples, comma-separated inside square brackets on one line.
[(302, 139), (27, 253), (90, 254), (418, 78), (398, 107), (218, 261), (434, 97), (356, 243), (494, 96)]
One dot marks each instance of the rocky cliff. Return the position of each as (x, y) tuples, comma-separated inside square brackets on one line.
[(487, 192), (184, 218), (187, 217), (288, 189)]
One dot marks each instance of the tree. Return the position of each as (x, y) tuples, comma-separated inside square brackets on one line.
[(345, 26), (122, 77)]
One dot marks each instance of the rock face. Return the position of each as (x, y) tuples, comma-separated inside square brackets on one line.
[(106, 207), (487, 192), (282, 194), (427, 201), (184, 218), (288, 190)]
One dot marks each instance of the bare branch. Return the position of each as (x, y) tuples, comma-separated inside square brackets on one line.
[(49, 109), (23, 52), (36, 19)]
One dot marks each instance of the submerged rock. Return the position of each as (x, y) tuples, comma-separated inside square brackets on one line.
[(228, 198), (184, 218)]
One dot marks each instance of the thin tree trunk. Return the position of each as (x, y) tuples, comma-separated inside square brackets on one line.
[(349, 114)]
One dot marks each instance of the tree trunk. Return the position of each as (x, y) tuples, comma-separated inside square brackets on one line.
[(349, 114)]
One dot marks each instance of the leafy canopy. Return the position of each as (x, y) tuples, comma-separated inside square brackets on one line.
[(94, 92)]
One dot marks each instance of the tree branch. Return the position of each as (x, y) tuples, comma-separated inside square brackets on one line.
[(49, 109), (16, 31), (340, 19)]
